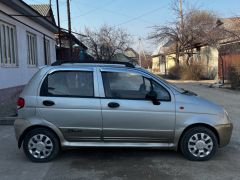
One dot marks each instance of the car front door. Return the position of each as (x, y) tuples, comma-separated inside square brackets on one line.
[(69, 100), (127, 115)]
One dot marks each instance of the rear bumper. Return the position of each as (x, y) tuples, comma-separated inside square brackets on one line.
[(224, 133)]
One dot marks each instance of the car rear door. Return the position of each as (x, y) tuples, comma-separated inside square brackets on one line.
[(69, 100), (127, 115)]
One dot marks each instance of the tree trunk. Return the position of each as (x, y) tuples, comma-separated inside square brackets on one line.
[(177, 54)]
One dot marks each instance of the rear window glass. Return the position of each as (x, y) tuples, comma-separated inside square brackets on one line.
[(68, 84)]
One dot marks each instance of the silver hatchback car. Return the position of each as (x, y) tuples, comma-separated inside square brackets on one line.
[(115, 105)]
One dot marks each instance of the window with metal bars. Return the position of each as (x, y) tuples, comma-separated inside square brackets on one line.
[(32, 49), (8, 55)]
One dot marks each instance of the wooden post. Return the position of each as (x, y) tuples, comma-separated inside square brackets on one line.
[(69, 29)]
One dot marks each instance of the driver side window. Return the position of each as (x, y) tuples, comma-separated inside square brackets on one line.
[(122, 85)]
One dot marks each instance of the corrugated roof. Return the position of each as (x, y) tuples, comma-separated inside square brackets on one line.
[(43, 9)]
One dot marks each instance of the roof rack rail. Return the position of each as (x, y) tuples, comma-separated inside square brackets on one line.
[(127, 64)]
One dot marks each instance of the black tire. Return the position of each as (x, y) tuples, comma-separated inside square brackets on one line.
[(185, 140), (54, 144)]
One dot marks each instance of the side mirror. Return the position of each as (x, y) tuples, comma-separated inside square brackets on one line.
[(152, 95)]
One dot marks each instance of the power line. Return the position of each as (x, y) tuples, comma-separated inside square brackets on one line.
[(140, 16), (93, 10)]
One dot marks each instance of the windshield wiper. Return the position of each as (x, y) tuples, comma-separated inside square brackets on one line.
[(188, 92)]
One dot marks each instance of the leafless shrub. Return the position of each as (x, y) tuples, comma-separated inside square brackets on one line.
[(174, 72), (194, 71)]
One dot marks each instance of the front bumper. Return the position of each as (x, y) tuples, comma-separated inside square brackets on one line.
[(224, 133)]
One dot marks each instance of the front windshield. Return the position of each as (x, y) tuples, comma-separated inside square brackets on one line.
[(180, 90)]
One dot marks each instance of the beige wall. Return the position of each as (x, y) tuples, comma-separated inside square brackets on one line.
[(160, 67), (155, 64), (208, 56)]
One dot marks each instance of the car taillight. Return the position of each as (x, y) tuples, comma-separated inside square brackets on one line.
[(20, 103)]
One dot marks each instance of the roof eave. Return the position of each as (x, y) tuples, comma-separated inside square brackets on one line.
[(25, 9)]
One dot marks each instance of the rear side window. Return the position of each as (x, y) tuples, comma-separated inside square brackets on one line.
[(68, 84)]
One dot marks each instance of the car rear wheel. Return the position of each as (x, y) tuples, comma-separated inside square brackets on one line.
[(41, 145), (199, 144)]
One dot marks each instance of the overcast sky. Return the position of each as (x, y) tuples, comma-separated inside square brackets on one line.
[(136, 16)]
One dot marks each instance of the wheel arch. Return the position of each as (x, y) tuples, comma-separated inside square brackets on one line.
[(27, 130), (199, 125)]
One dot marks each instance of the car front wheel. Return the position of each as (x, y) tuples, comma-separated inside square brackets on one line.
[(41, 145), (199, 144)]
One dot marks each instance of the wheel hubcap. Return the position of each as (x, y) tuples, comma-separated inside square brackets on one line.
[(40, 146), (200, 145)]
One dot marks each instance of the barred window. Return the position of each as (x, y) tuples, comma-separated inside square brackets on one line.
[(8, 55), (32, 49), (48, 55)]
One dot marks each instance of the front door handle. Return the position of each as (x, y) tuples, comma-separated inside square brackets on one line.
[(113, 105), (48, 103)]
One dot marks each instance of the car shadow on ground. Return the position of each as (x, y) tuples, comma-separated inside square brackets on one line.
[(119, 153)]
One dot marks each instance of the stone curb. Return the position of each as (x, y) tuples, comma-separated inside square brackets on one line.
[(7, 120)]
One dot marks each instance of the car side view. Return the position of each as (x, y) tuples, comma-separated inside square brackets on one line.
[(113, 104)]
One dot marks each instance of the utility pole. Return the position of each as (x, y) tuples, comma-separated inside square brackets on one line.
[(69, 28), (141, 49), (59, 30), (139, 55), (181, 13)]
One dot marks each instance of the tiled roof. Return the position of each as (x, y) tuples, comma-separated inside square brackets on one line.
[(43, 9)]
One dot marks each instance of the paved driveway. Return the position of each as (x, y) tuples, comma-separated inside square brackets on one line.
[(131, 164)]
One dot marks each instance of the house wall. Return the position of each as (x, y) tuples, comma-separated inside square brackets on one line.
[(170, 61), (21, 74), (208, 57), (155, 64), (159, 67)]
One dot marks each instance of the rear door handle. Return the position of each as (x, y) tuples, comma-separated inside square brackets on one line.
[(48, 103), (113, 105)]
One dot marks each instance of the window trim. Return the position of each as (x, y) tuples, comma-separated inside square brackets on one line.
[(34, 36), (150, 79), (44, 84), (47, 51), (12, 41)]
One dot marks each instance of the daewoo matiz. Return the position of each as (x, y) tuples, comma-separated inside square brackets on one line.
[(109, 104)]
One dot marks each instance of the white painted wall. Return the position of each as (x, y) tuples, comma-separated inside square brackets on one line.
[(20, 75)]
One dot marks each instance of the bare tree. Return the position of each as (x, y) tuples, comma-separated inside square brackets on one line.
[(193, 28), (104, 43), (166, 33)]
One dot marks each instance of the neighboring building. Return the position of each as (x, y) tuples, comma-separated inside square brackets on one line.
[(131, 53), (162, 60), (121, 57), (78, 48), (128, 55), (26, 43), (213, 60), (229, 51)]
